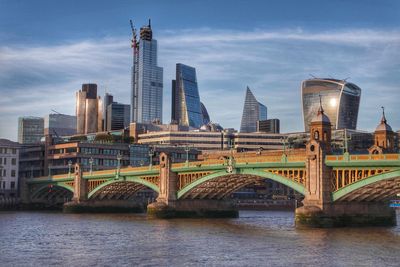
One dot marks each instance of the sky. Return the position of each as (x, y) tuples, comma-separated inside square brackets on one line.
[(49, 48)]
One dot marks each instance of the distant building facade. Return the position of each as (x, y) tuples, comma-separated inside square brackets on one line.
[(108, 99), (30, 130), (340, 99), (59, 124), (186, 106), (118, 116), (253, 111), (268, 126), (89, 110), (9, 167), (147, 78)]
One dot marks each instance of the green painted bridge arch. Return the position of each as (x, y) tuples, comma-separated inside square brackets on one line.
[(127, 179), (377, 187), (44, 187), (253, 173)]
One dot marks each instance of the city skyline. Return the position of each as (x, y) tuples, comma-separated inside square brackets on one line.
[(271, 54)]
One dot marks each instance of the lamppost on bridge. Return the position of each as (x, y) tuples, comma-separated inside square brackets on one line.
[(187, 149), (119, 157), (151, 153), (91, 165), (69, 168)]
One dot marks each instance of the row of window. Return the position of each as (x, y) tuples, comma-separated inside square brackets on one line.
[(3, 161), (4, 174), (3, 185), (8, 150)]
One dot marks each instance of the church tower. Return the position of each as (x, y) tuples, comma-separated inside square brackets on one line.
[(383, 137)]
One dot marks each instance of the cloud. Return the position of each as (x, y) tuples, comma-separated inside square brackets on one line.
[(35, 79)]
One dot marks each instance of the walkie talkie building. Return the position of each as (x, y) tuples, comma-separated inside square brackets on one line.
[(340, 100)]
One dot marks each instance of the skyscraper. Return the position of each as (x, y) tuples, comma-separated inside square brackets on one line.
[(108, 99), (253, 111), (186, 106), (59, 124), (30, 130), (340, 99), (118, 116), (89, 110), (147, 78)]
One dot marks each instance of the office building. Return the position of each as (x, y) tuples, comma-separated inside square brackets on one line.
[(147, 78), (118, 116), (95, 155), (9, 153), (340, 99), (89, 110), (268, 126), (186, 106), (30, 130), (204, 113), (32, 161), (108, 99), (59, 124), (141, 154), (253, 111)]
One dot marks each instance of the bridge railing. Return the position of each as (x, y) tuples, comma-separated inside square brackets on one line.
[(365, 157)]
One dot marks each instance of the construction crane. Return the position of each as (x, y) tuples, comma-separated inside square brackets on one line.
[(56, 111), (134, 42)]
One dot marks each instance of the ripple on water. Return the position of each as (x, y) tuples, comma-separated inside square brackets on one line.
[(256, 238)]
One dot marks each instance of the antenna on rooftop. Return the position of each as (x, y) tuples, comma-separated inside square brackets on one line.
[(312, 76)]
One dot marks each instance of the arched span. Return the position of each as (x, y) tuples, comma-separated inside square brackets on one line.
[(128, 179), (40, 189), (266, 175), (364, 182)]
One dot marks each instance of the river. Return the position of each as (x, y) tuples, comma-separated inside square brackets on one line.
[(256, 238)]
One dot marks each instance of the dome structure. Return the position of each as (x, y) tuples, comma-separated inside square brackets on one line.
[(321, 117), (383, 126)]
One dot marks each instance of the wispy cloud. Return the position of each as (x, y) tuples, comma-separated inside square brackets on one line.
[(35, 79)]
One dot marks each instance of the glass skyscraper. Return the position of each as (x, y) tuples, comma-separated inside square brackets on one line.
[(186, 106), (30, 130), (253, 111), (147, 78), (340, 100)]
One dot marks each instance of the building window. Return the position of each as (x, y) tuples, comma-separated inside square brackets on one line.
[(316, 135), (12, 173), (1, 160), (12, 185), (14, 151), (4, 173), (14, 161), (5, 161), (4, 184)]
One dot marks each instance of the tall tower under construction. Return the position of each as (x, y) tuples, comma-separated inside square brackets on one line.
[(147, 78)]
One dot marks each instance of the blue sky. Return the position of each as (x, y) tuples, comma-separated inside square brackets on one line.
[(49, 48)]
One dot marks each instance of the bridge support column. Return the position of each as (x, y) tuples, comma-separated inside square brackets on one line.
[(80, 191), (168, 206), (319, 210)]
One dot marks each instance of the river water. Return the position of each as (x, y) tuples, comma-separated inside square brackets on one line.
[(256, 238)]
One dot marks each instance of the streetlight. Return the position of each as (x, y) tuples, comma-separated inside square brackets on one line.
[(187, 149), (151, 153), (91, 165), (69, 168), (119, 157)]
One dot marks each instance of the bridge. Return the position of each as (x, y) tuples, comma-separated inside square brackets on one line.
[(338, 189), (353, 181)]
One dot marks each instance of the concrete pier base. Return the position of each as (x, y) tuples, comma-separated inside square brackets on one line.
[(346, 214), (104, 206), (193, 208)]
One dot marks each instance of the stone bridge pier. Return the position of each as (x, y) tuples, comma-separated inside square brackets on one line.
[(168, 205), (319, 210)]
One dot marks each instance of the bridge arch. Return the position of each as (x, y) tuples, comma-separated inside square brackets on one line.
[(42, 188), (392, 179), (253, 174), (135, 184)]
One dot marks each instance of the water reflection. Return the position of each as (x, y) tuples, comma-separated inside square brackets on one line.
[(254, 239)]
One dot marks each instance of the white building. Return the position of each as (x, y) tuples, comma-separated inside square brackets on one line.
[(9, 154)]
